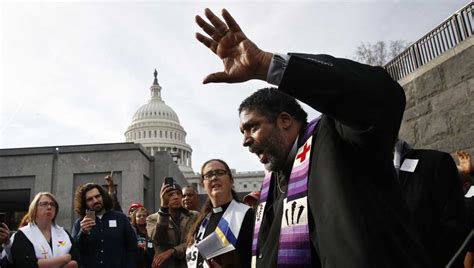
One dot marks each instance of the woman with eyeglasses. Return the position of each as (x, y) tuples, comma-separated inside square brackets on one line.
[(40, 242), (222, 235), (145, 245)]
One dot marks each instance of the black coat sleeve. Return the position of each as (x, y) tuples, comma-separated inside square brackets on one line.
[(453, 227), (75, 255), (23, 253), (244, 241), (80, 239), (130, 240), (365, 102)]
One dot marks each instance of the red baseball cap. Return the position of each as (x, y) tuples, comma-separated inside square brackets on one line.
[(134, 206), (254, 195)]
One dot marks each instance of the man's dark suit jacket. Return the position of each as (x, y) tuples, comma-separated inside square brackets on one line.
[(357, 214), (436, 201)]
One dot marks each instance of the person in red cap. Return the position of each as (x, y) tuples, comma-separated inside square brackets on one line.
[(133, 207), (252, 199)]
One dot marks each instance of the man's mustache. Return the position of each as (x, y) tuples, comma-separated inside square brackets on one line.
[(255, 148)]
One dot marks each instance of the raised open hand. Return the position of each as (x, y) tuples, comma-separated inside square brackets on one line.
[(242, 59)]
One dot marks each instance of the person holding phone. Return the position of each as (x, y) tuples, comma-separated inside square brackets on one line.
[(40, 242), (223, 213), (169, 226), (104, 236), (5, 241)]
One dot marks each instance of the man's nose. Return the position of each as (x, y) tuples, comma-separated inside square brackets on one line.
[(247, 140)]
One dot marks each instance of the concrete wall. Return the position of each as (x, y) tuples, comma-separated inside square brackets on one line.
[(440, 102), (60, 170)]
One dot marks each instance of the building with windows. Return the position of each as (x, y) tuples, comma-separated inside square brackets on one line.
[(156, 126), (156, 148)]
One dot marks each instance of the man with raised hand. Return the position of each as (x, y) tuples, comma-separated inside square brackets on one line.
[(331, 197)]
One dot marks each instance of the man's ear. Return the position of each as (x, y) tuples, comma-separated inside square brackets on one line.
[(285, 120)]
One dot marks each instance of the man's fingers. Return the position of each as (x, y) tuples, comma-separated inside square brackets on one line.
[(220, 26), (209, 29), (208, 42), (159, 261), (219, 77), (233, 26)]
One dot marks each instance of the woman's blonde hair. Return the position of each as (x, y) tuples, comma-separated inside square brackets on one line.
[(30, 217), (133, 218)]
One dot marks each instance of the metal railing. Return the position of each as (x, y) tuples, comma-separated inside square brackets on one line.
[(448, 34)]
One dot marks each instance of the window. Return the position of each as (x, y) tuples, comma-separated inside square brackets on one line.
[(155, 133), (139, 135), (161, 134)]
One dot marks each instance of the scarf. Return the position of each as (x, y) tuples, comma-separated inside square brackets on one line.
[(59, 238), (294, 243), (222, 240)]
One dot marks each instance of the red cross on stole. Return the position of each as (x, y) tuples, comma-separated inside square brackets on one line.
[(303, 154)]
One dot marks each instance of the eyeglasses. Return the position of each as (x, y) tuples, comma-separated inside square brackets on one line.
[(46, 204), (218, 173)]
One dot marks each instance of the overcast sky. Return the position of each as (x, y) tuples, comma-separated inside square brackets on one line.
[(75, 72)]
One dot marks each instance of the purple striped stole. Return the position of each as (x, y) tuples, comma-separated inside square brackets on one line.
[(294, 244)]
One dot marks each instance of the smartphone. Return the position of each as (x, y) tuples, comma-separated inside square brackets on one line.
[(169, 181), (90, 214), (3, 217)]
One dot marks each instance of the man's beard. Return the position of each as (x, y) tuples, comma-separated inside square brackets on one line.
[(274, 149), (98, 208)]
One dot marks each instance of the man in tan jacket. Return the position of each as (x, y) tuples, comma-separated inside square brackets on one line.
[(169, 227)]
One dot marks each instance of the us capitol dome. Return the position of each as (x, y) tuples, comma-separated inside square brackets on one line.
[(156, 126)]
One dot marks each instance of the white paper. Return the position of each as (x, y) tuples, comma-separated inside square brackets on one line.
[(409, 165), (212, 246), (112, 223)]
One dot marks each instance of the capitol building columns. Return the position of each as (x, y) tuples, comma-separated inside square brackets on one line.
[(156, 126)]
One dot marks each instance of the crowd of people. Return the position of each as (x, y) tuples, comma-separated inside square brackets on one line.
[(341, 190)]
